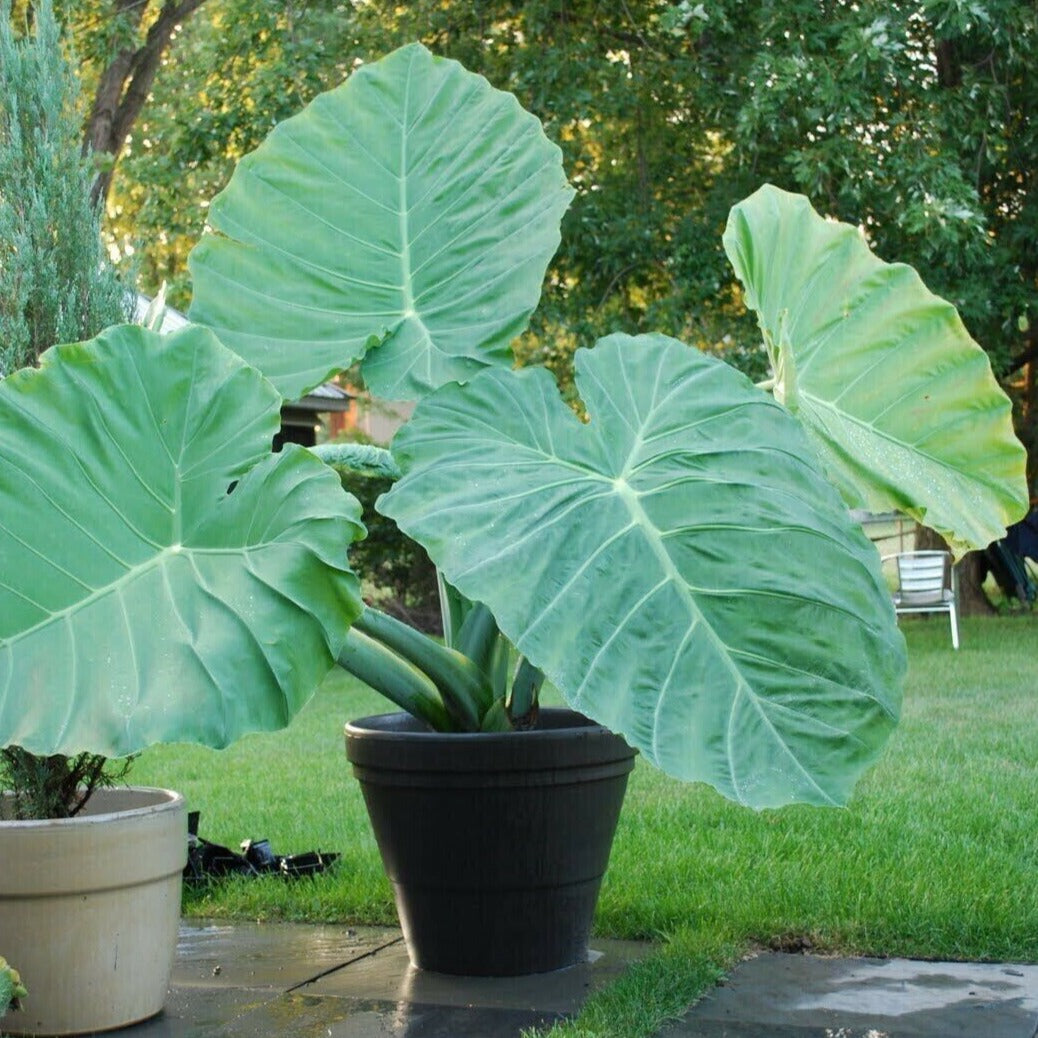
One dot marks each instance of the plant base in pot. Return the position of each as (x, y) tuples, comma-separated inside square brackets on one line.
[(496, 843), (89, 909)]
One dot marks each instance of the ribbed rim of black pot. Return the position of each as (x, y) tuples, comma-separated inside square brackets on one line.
[(410, 745)]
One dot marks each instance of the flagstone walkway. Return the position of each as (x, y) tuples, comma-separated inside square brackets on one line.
[(242, 980)]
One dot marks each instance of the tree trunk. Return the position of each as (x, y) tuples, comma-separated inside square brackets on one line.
[(124, 85), (970, 571), (949, 68)]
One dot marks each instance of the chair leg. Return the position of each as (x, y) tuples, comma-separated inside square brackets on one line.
[(954, 627)]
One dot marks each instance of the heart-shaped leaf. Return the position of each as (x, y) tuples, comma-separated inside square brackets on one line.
[(898, 399), (678, 566), (142, 599), (414, 206)]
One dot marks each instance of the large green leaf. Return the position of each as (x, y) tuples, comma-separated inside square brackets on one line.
[(413, 205), (140, 601), (897, 397), (678, 566)]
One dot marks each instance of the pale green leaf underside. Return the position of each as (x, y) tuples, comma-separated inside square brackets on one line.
[(679, 567), (139, 600), (414, 206), (898, 399)]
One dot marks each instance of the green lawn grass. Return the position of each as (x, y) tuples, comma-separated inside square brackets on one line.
[(936, 856)]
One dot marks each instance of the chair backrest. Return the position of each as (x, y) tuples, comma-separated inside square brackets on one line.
[(923, 576)]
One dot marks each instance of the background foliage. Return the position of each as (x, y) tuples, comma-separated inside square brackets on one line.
[(397, 575), (913, 118), (55, 282)]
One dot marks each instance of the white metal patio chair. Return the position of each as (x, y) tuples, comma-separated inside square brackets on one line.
[(926, 583)]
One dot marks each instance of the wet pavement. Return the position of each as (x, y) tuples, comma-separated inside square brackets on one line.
[(809, 996), (294, 980)]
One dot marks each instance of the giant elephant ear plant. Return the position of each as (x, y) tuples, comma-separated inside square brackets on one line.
[(681, 565)]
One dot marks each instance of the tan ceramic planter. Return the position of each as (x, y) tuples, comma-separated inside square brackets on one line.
[(89, 909)]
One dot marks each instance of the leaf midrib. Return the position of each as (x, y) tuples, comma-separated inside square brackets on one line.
[(639, 518), (157, 561), (820, 404), (653, 536)]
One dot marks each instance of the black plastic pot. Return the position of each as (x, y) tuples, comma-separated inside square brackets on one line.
[(496, 843)]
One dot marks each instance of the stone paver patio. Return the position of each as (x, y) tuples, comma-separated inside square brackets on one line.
[(294, 980)]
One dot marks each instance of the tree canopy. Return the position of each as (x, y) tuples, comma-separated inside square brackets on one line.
[(55, 282)]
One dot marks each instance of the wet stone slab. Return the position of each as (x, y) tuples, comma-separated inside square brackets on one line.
[(389, 976), (291, 980), (282, 956), (309, 1015), (194, 1012), (806, 996)]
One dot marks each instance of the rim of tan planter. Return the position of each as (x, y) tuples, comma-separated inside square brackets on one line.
[(89, 910)]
